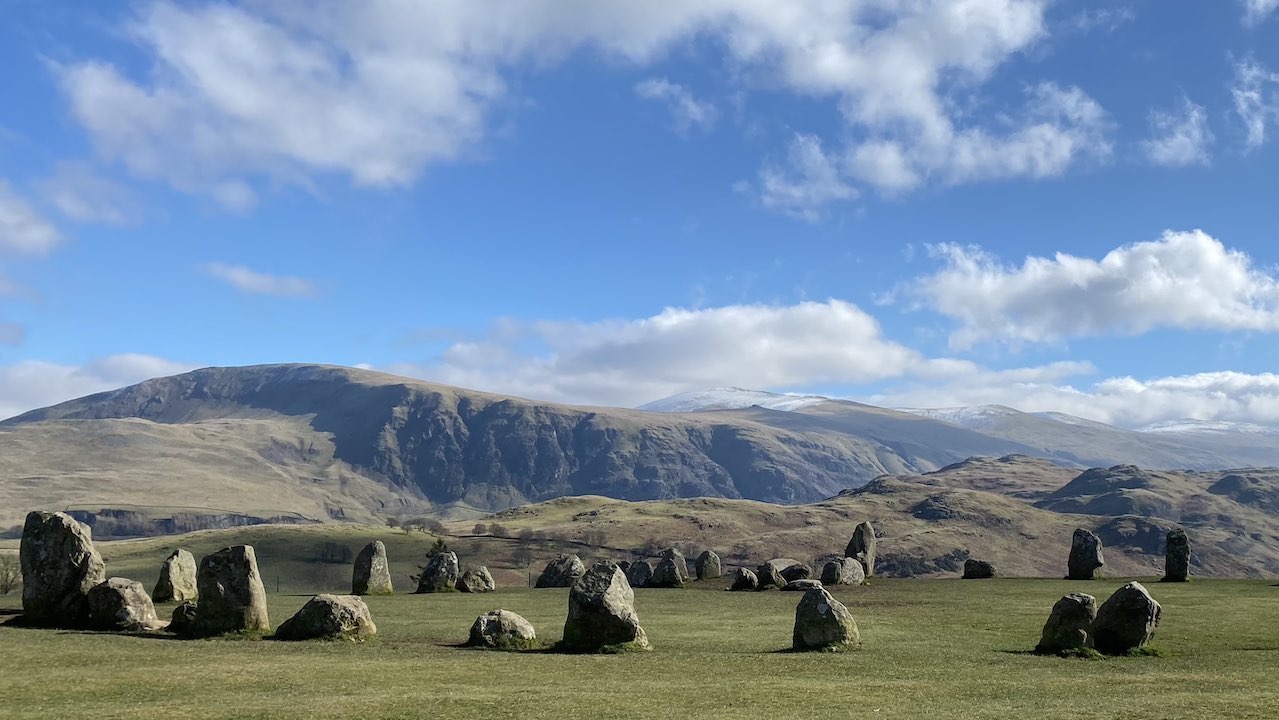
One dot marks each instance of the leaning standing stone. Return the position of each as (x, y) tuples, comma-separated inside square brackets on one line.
[(177, 578), (769, 576), (823, 623), (978, 570), (639, 574), (708, 566), (476, 580), (1177, 557), (601, 613), (121, 604), (502, 630), (862, 547), (372, 573), (329, 617), (667, 575), (440, 574), (743, 580), (677, 559), (231, 595), (1085, 555), (563, 571), (1069, 626), (1126, 621), (797, 571), (59, 567)]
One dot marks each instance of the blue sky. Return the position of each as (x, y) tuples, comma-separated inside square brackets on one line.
[(1051, 205)]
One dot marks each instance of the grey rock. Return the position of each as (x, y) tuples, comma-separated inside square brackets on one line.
[(862, 547), (1069, 625), (563, 571), (177, 578), (440, 574), (797, 571), (182, 619), (59, 567), (743, 580), (1177, 557), (232, 598), (801, 585), (476, 580), (823, 623), (769, 576), (121, 604), (978, 570), (624, 565), (708, 566), (844, 571), (1085, 556), (372, 572), (667, 575), (601, 613), (329, 617), (677, 558), (502, 630), (1126, 621), (639, 574)]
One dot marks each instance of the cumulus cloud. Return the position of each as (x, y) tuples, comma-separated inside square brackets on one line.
[(258, 283), (1185, 280), (1179, 137), (22, 229), (1256, 11), (33, 384), (687, 112), (1256, 98), (804, 183)]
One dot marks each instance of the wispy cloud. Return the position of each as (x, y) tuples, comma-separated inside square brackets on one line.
[(1256, 94), (22, 229), (687, 112), (1179, 137), (1256, 11), (260, 283)]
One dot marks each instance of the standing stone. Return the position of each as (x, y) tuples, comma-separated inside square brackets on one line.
[(231, 595), (1085, 556), (440, 574), (769, 576), (801, 584), (1126, 621), (1069, 626), (1177, 557), (502, 630), (329, 617), (372, 573), (121, 604), (639, 574), (844, 571), (59, 567), (744, 580), (797, 571), (823, 623), (667, 575), (601, 613), (476, 580), (862, 547), (177, 578), (681, 564), (563, 571), (708, 566), (183, 617), (978, 570)]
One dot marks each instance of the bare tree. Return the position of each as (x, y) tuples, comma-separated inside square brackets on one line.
[(10, 573), (523, 556), (480, 529)]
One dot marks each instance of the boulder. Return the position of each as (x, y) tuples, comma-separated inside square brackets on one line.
[(232, 598), (639, 574), (797, 571), (1177, 557), (329, 617), (978, 570), (177, 578), (624, 565), (1085, 555), (121, 604), (769, 576), (801, 585), (844, 571), (601, 613), (823, 623), (183, 617), (476, 580), (372, 572), (1126, 621), (439, 574), (502, 630), (563, 571), (743, 580), (59, 567), (667, 575), (1069, 626), (708, 566), (862, 547), (677, 559)]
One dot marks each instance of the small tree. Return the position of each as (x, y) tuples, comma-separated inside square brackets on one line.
[(528, 535), (10, 573), (433, 526), (480, 529), (497, 530), (392, 522), (523, 556)]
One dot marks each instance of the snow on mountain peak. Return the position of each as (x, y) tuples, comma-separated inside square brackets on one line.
[(730, 398)]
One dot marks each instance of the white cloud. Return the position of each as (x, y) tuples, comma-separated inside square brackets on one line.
[(1104, 19), (81, 194), (1184, 280), (258, 283), (1256, 11), (687, 112), (1179, 137), (1256, 96), (22, 229), (806, 182), (33, 384)]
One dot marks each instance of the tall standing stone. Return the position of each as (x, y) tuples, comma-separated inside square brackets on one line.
[(1069, 626), (1177, 557), (639, 573), (121, 604), (1085, 556), (862, 547), (769, 575), (1126, 621), (601, 613), (667, 575), (563, 571), (823, 623), (177, 578), (232, 598), (680, 562), (440, 574), (59, 567), (708, 566), (372, 572)]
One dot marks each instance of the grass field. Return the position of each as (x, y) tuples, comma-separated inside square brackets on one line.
[(930, 649)]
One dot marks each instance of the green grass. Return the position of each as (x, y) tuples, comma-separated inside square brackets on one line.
[(930, 649)]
